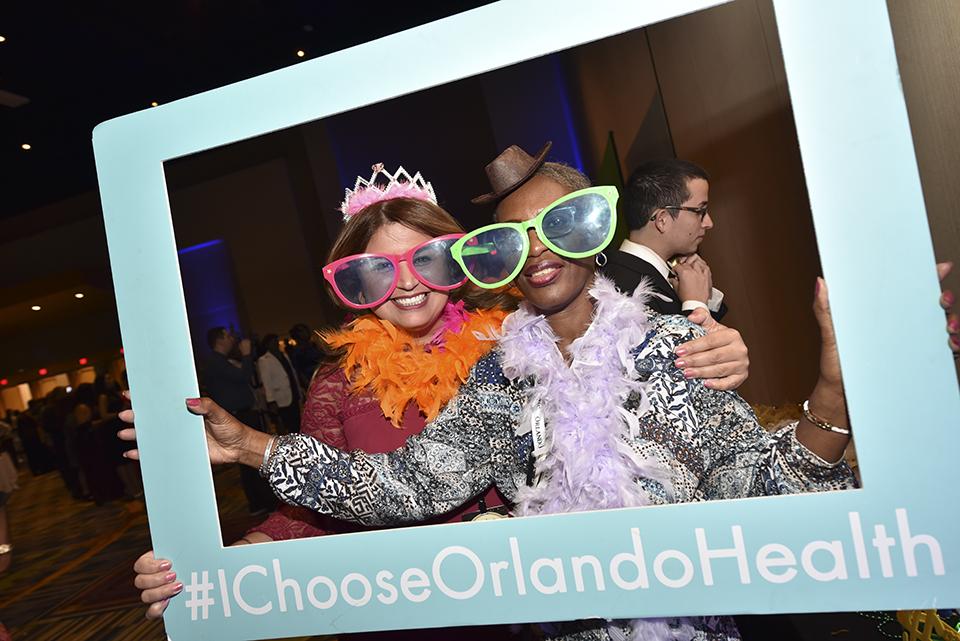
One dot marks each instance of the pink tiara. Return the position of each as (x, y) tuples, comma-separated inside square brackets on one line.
[(399, 185)]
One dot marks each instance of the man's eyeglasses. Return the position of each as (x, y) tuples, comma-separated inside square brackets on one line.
[(700, 211)]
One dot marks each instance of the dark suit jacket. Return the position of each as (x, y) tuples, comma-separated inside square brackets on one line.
[(627, 271)]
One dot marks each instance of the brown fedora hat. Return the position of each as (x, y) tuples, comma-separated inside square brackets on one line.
[(509, 170)]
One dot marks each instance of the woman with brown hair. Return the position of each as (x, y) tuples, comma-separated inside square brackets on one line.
[(395, 366)]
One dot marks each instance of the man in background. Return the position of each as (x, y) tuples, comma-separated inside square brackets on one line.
[(280, 385), (304, 355), (227, 380), (665, 203)]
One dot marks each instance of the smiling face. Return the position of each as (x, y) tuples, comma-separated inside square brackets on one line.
[(549, 282), (412, 306)]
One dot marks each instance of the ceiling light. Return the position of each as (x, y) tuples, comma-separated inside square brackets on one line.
[(154, 103), (3, 39), (301, 53), (36, 308), (78, 295), (26, 146)]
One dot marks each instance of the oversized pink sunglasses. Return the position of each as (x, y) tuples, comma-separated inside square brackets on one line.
[(363, 281)]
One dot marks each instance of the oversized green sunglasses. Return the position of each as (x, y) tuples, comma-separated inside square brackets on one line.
[(578, 225)]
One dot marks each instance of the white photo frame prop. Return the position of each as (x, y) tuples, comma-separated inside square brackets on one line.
[(892, 545)]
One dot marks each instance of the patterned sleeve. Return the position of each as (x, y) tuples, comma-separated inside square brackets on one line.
[(321, 412), (321, 420), (454, 458), (733, 457)]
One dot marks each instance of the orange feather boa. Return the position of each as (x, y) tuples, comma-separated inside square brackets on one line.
[(389, 363)]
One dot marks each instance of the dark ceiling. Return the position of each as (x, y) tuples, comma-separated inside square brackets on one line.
[(80, 63)]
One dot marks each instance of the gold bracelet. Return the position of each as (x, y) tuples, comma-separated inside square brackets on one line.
[(819, 422)]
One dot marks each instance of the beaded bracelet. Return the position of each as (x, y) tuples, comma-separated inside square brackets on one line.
[(819, 422)]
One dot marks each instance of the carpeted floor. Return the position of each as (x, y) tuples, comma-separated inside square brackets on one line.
[(71, 576)]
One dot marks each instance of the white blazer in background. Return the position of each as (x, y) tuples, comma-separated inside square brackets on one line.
[(276, 384)]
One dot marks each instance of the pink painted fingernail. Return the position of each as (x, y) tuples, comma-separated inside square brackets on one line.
[(193, 402), (177, 588), (165, 565), (954, 327), (688, 373), (170, 576), (680, 351), (816, 287), (708, 384), (948, 298), (680, 363)]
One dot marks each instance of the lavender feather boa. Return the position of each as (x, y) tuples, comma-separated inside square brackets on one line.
[(588, 464)]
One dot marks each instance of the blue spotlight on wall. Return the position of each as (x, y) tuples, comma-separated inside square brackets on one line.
[(209, 290)]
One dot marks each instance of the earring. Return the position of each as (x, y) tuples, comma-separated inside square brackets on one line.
[(601, 259)]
